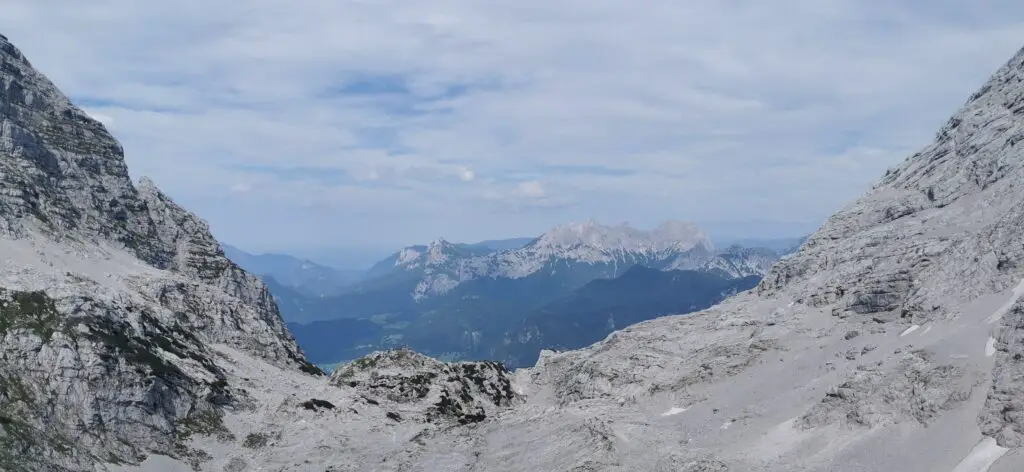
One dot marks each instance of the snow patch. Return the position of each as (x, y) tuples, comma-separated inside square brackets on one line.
[(1018, 292), (154, 463), (781, 439), (981, 457), (990, 347), (909, 330), (673, 411)]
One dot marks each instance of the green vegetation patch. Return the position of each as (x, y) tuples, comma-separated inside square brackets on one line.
[(255, 440), (34, 311), (206, 423), (21, 444), (16, 438), (365, 363)]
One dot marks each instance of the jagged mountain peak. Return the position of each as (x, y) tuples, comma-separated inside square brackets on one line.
[(65, 179), (672, 235), (56, 182), (437, 252), (440, 242), (146, 185), (12, 51)]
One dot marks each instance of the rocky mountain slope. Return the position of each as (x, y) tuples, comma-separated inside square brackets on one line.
[(411, 258), (424, 271), (110, 296), (892, 331), (889, 341)]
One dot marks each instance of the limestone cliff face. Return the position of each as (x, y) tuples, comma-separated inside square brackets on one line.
[(198, 257), (63, 173), (109, 296), (949, 213)]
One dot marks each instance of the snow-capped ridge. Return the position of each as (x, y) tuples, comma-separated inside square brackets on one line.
[(621, 238), (682, 245)]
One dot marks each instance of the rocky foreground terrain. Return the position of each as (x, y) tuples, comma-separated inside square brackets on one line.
[(891, 341)]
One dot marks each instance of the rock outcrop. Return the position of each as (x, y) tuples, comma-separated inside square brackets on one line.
[(463, 392)]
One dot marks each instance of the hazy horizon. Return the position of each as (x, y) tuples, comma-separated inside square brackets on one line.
[(383, 124), (358, 258)]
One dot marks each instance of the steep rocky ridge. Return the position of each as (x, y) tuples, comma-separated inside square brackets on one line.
[(64, 178), (110, 296)]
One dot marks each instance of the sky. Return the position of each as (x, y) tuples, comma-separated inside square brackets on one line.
[(355, 125)]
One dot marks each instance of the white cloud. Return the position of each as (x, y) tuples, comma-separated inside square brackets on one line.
[(398, 115), (530, 189), (241, 187)]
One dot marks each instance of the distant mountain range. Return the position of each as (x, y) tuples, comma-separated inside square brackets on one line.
[(782, 246), (300, 275), (495, 299), (501, 244), (298, 283), (567, 256)]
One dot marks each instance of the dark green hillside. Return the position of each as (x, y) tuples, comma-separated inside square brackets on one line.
[(602, 306)]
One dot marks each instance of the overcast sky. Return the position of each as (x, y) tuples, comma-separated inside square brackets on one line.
[(302, 126)]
